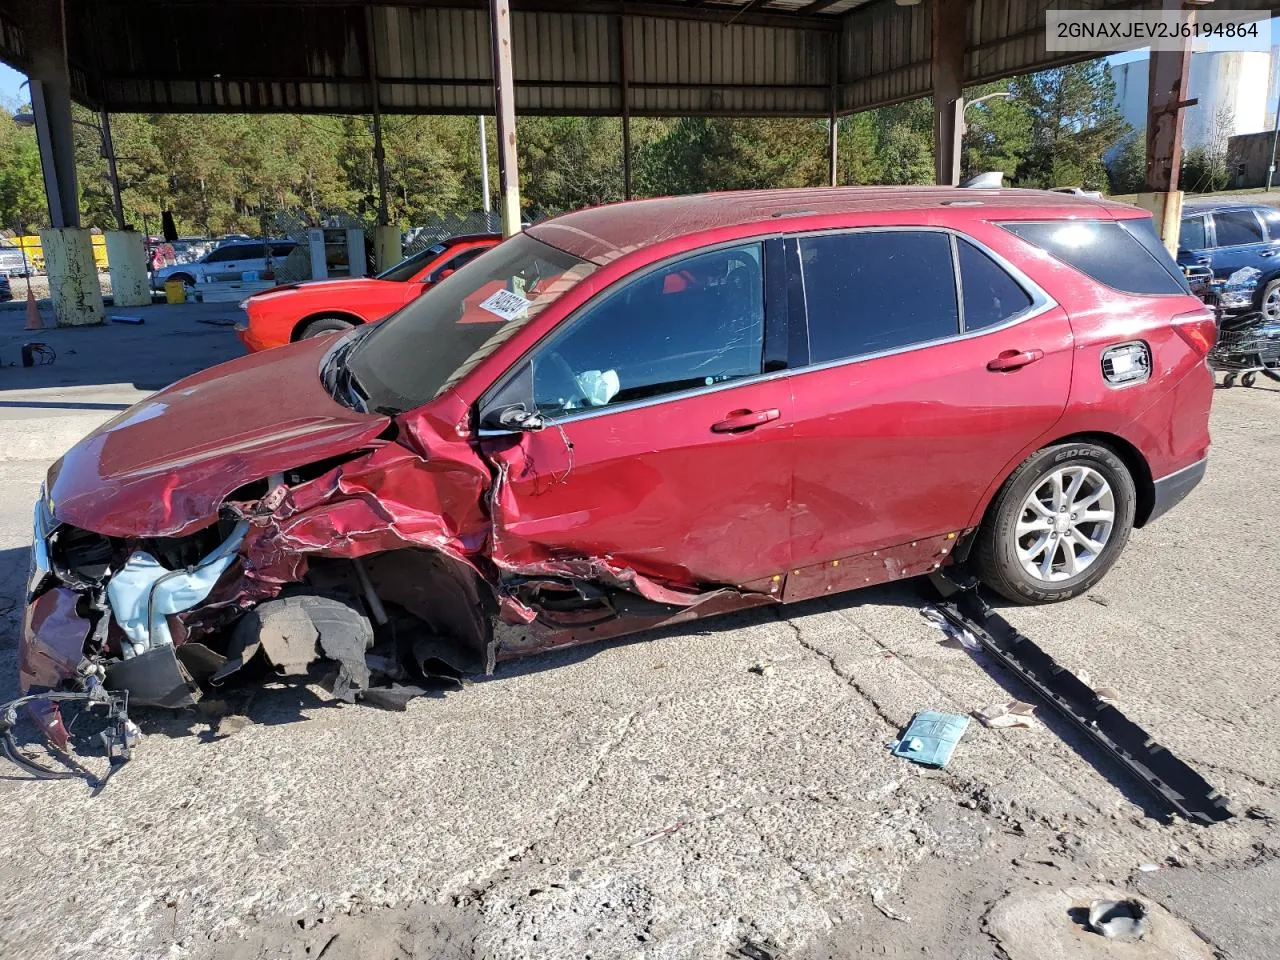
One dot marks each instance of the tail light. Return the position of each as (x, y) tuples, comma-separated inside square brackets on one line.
[(1198, 329)]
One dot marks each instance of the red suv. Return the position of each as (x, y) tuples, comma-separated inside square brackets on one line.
[(636, 415)]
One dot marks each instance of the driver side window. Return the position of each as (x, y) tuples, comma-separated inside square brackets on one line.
[(693, 323)]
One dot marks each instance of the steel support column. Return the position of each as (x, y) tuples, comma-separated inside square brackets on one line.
[(1168, 74), (504, 99), (379, 154), (950, 33), (624, 76), (113, 175), (50, 83), (833, 119)]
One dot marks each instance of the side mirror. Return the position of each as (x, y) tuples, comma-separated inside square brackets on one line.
[(440, 275), (512, 419)]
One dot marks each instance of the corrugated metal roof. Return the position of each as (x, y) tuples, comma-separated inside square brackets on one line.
[(746, 57)]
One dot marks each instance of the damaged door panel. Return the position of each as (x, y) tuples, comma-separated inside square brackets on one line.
[(619, 419)]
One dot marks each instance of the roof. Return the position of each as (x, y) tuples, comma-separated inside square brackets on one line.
[(604, 233), (1208, 204)]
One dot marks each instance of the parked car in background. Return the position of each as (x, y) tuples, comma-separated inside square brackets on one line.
[(1228, 236), (228, 262), (12, 262), (637, 415), (300, 310)]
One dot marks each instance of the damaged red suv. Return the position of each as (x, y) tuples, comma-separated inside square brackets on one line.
[(636, 415)]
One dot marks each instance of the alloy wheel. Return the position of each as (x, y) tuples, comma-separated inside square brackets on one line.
[(1065, 523)]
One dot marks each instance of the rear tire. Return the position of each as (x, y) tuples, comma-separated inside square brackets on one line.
[(1057, 525), (322, 325)]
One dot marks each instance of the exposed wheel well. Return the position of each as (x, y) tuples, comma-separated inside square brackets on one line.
[(1133, 459), (322, 315)]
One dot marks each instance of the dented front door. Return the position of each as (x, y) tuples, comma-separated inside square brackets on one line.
[(670, 490), (666, 445)]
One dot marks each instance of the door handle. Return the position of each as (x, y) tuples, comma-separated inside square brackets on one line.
[(1014, 359), (744, 420), (1268, 253)]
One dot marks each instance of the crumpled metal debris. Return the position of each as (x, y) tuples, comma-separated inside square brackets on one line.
[(1124, 921), (1015, 713), (965, 638)]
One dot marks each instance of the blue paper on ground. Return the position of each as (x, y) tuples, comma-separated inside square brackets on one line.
[(931, 737)]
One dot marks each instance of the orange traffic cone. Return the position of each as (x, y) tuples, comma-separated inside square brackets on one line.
[(33, 312)]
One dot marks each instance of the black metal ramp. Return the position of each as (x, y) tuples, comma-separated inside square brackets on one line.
[(1169, 779)]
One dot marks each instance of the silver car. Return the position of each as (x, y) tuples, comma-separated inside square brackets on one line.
[(227, 262), (12, 262)]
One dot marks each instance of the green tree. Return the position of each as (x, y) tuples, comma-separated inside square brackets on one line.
[(997, 131), (1074, 121), (22, 203), (1129, 168)]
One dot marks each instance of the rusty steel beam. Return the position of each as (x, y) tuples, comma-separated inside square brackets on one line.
[(1169, 72), (950, 34), (504, 100), (624, 76)]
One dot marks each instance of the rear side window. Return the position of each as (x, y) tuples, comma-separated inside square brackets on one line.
[(282, 249), (1107, 252), (1234, 227), (990, 295), (877, 290)]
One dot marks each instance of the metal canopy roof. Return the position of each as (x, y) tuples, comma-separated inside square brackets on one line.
[(673, 57)]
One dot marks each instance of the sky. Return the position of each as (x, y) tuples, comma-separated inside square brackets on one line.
[(10, 79)]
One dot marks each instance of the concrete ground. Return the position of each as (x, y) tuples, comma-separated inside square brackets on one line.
[(658, 797)]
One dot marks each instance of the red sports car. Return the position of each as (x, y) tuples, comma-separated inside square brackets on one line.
[(299, 310)]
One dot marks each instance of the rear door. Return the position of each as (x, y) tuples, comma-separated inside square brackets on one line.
[(919, 390), (666, 449), (1239, 241)]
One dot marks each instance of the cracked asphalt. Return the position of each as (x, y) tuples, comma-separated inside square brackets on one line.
[(659, 798)]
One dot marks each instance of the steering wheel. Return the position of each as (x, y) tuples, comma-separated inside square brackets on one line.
[(570, 380)]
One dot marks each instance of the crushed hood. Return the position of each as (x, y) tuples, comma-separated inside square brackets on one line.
[(164, 466)]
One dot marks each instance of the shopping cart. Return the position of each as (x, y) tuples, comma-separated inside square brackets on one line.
[(1248, 345)]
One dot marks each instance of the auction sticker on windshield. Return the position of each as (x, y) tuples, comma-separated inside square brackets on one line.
[(505, 304)]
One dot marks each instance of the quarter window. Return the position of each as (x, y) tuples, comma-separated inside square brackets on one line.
[(694, 323), (1107, 252), (872, 291), (1234, 227), (990, 295)]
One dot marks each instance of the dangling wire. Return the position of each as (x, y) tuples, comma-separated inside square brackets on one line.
[(568, 449)]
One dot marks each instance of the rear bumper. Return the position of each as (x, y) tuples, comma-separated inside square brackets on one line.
[(1170, 490)]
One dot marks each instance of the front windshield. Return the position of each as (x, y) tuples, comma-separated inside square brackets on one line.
[(415, 355), (404, 270)]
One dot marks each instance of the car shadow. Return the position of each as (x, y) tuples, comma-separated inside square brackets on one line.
[(261, 698)]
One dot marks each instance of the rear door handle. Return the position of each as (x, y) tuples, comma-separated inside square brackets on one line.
[(744, 420), (1268, 253), (1014, 359)]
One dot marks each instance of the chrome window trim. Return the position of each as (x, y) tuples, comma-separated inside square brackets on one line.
[(1041, 303)]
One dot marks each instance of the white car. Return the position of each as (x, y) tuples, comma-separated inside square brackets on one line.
[(227, 262)]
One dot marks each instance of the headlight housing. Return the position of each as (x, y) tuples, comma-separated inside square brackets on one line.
[(42, 525)]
